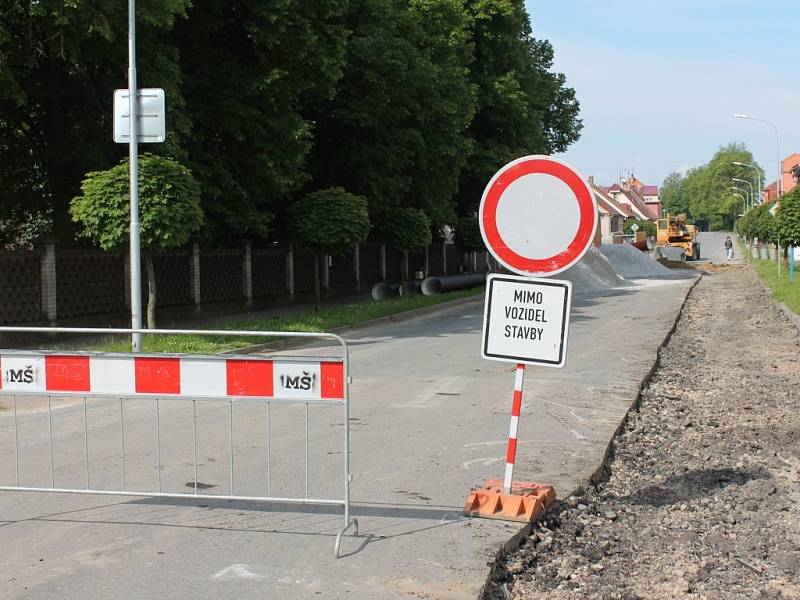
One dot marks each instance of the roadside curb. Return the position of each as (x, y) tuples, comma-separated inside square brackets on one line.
[(497, 568), (397, 317)]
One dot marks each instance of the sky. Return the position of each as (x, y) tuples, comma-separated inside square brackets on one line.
[(659, 80)]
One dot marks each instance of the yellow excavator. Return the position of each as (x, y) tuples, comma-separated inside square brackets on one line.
[(676, 232)]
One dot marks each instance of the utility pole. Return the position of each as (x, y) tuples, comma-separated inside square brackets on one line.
[(136, 260)]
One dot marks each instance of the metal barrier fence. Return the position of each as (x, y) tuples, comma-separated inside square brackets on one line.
[(185, 378)]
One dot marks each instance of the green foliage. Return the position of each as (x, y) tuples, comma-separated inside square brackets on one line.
[(331, 221), (59, 62), (522, 106), (782, 289), (758, 223), (648, 227), (327, 319), (251, 70), (169, 205), (403, 228), (395, 131), (468, 235), (409, 103), (673, 200), (787, 219), (744, 224), (21, 228), (705, 192)]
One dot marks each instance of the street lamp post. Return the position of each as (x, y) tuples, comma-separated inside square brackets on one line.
[(745, 197), (735, 210), (777, 146), (780, 167), (758, 176), (752, 191)]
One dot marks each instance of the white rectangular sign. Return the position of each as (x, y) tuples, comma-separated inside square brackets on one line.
[(526, 320), (152, 120)]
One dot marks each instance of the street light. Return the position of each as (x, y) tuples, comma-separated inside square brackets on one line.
[(758, 176), (744, 201), (752, 191), (743, 195), (777, 146), (780, 168)]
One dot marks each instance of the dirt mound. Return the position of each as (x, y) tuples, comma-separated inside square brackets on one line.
[(593, 272), (634, 264), (674, 264)]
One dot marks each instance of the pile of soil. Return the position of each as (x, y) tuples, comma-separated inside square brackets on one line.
[(674, 264), (701, 495), (632, 263), (593, 272)]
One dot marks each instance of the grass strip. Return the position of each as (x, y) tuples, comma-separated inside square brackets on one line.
[(327, 319), (782, 289)]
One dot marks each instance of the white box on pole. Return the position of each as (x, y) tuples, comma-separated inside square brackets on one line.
[(152, 116), (526, 320)]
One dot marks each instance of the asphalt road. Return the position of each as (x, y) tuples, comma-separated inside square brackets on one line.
[(712, 247), (429, 420)]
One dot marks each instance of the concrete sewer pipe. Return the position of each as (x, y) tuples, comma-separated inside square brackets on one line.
[(451, 283), (430, 286)]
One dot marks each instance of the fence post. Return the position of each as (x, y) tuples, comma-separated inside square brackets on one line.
[(474, 260), (194, 272), (290, 271), (444, 257), (247, 272), (326, 272), (47, 268), (357, 266), (426, 260), (383, 261)]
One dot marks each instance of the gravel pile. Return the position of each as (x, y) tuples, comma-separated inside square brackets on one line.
[(632, 263), (701, 498), (592, 273)]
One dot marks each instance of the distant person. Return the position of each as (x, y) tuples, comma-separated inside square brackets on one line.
[(729, 247)]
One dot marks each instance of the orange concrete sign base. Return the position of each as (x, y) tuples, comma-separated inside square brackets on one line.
[(523, 504)]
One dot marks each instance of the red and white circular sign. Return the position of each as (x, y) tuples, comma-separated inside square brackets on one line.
[(537, 216)]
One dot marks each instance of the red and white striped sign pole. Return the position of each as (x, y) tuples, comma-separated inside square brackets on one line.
[(516, 408)]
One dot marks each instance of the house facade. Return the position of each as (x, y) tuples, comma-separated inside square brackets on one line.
[(788, 181), (611, 215)]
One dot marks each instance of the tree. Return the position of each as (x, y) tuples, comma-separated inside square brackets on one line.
[(395, 131), (673, 199), (329, 221), (467, 235), (169, 209), (522, 106), (59, 62), (649, 227), (787, 219), (762, 224), (251, 70), (405, 229), (707, 191)]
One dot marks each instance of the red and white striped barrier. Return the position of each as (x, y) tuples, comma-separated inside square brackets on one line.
[(299, 379), (516, 407)]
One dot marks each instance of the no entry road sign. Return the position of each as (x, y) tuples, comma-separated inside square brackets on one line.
[(537, 216), (526, 320)]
